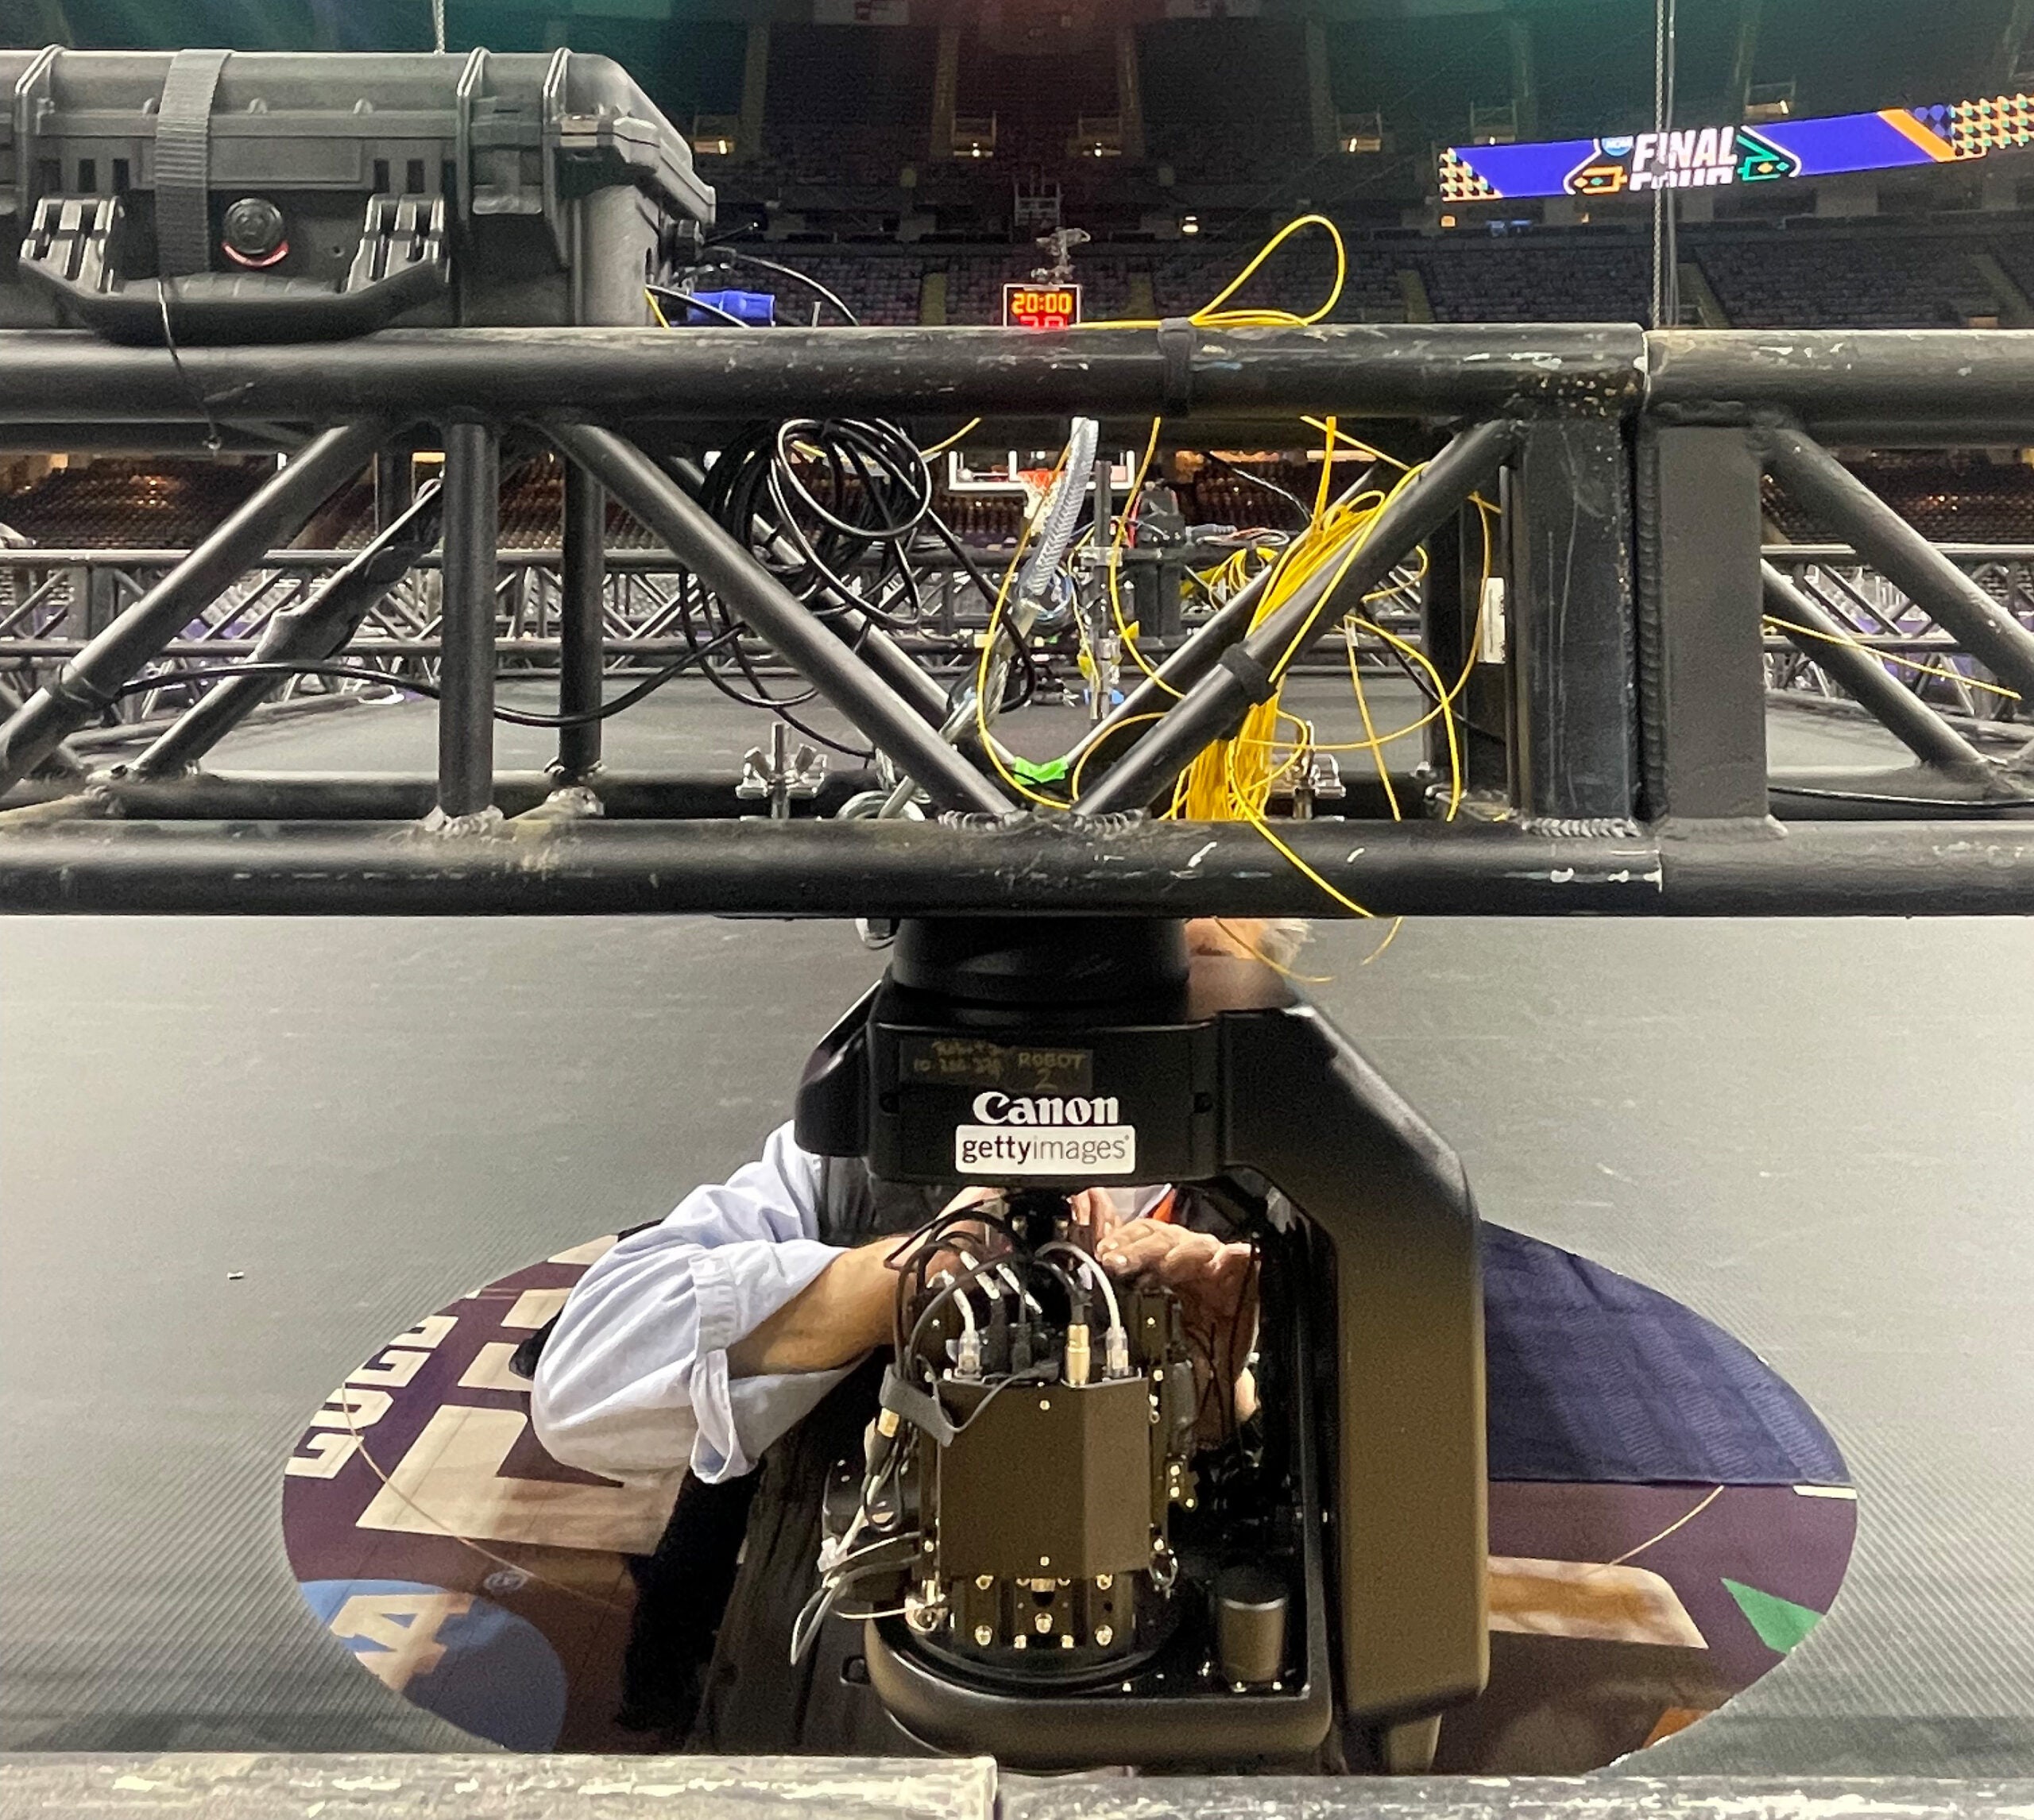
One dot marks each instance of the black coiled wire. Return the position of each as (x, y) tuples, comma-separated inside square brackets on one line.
[(824, 504), (815, 499)]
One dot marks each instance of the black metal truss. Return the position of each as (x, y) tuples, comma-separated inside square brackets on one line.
[(1626, 465)]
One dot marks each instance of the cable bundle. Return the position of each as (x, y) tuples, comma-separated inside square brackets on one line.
[(833, 506), (1231, 781), (814, 499)]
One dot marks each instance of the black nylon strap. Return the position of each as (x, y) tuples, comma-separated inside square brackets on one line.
[(917, 1407), (183, 161), (1177, 341), (78, 691), (1251, 672)]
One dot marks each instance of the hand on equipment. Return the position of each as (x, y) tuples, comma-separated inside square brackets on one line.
[(1216, 1285), (1094, 1214)]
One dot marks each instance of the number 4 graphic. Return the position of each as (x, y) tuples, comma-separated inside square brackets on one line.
[(403, 1627)]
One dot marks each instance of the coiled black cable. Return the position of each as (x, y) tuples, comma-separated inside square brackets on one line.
[(831, 508), (816, 500)]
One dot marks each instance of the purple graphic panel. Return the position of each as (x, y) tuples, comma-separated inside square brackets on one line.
[(1704, 156)]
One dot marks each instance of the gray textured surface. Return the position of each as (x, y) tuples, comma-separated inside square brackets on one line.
[(1511, 1798), (367, 1119), (360, 1788), (1822, 1134)]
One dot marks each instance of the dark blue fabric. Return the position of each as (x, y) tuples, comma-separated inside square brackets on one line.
[(1595, 1379)]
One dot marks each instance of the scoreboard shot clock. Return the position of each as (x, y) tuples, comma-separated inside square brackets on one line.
[(1041, 306)]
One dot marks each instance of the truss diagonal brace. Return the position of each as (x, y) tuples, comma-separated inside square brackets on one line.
[(1249, 670), (1191, 662), (704, 545), (90, 683), (1817, 481), (320, 628), (1824, 639)]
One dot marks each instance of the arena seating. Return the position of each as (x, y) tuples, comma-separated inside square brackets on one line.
[(1298, 277), (864, 153), (974, 287), (884, 286), (1776, 282), (882, 291), (129, 504), (1217, 495), (1966, 500), (169, 504), (1764, 278), (1875, 277), (1956, 498), (533, 505), (985, 521), (1232, 151), (1505, 281), (2014, 251), (1225, 99)]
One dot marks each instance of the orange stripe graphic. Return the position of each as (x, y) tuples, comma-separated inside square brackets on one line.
[(1930, 140)]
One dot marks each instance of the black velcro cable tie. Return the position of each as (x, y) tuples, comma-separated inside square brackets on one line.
[(1251, 672), (921, 1410), (183, 163), (1177, 340), (81, 694)]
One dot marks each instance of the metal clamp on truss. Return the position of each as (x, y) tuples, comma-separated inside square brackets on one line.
[(76, 245), (782, 775), (1316, 778)]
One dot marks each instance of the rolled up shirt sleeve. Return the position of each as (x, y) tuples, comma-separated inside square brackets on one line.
[(633, 1381)]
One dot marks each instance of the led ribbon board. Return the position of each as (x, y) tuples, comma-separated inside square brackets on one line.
[(1036, 306), (1697, 157)]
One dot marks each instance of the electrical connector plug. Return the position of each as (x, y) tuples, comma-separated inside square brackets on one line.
[(1115, 1353)]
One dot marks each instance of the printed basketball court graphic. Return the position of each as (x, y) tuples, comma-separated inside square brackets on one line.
[(1668, 1520)]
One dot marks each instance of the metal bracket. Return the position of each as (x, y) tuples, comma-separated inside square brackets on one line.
[(1317, 778), (782, 776)]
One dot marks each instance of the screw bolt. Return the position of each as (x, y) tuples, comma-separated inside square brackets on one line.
[(983, 1635), (1105, 1636), (254, 229), (1042, 1623)]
